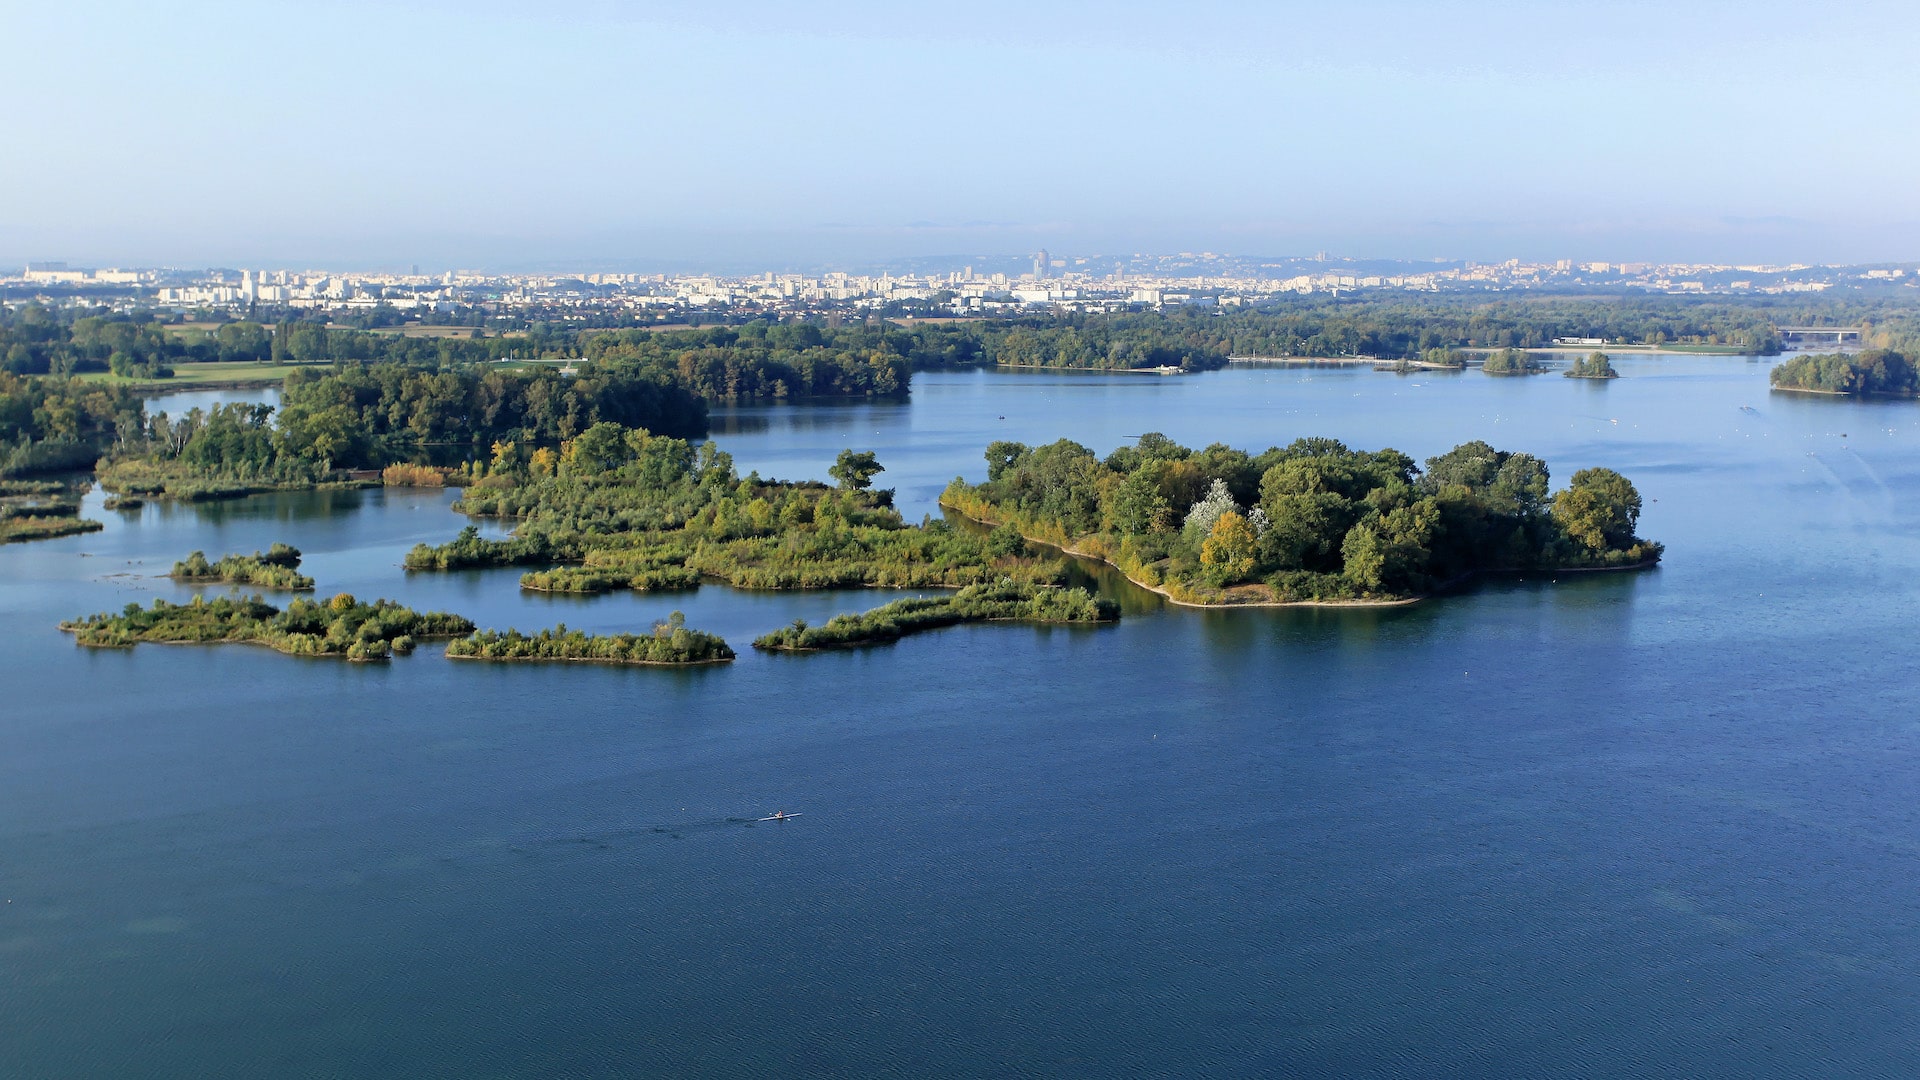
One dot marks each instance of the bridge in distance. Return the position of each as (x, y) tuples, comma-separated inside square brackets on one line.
[(1839, 334)]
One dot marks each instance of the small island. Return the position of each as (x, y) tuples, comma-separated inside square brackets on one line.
[(1314, 522), (1874, 372), (1594, 365), (1004, 601), (670, 644), (277, 568), (340, 627), (1512, 362)]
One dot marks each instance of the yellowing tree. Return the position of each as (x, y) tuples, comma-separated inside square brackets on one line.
[(1228, 551)]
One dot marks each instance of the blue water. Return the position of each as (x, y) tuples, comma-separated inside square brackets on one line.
[(1614, 824)]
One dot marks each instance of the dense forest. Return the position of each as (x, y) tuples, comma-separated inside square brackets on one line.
[(1876, 371), (1311, 521), (358, 418), (50, 424)]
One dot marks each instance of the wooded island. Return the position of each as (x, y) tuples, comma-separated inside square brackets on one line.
[(1311, 522), (1876, 371)]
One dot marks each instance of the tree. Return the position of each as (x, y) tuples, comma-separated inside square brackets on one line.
[(1002, 455), (1600, 510), (1135, 505), (1229, 550), (1206, 513), (601, 448), (855, 471), (1390, 553), (1519, 486), (1006, 541), (1510, 362)]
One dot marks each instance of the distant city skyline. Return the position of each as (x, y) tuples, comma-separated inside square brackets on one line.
[(987, 288), (494, 135)]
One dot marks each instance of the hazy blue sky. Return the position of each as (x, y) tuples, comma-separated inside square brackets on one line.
[(483, 132)]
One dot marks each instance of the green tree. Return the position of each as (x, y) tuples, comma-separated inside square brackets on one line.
[(601, 448), (855, 471), (1600, 510), (1136, 505), (1229, 551), (1003, 455), (1391, 553)]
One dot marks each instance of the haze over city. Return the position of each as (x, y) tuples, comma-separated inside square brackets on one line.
[(669, 136)]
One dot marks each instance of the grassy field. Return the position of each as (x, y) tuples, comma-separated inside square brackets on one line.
[(413, 330), (187, 376), (1706, 350)]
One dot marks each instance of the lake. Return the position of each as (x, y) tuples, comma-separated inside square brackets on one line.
[(1661, 822)]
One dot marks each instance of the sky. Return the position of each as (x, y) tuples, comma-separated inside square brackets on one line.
[(514, 135)]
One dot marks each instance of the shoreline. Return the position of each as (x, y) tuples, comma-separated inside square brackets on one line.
[(588, 660), (864, 644), (178, 579), (1169, 370), (66, 628), (1841, 393)]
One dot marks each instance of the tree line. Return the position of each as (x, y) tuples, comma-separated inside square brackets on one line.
[(359, 418), (52, 424)]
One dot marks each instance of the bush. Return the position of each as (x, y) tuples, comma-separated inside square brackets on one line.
[(412, 476)]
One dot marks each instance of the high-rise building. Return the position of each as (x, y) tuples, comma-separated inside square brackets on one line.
[(1040, 261)]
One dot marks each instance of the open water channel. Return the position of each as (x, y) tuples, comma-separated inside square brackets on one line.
[(1664, 822)]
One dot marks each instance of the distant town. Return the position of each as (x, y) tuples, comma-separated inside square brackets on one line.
[(928, 288)]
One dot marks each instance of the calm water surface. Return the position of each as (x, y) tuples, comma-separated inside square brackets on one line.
[(1618, 824)]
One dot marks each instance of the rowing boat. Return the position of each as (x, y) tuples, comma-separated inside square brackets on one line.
[(780, 817)]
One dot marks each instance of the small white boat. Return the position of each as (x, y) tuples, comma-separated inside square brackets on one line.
[(778, 816)]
